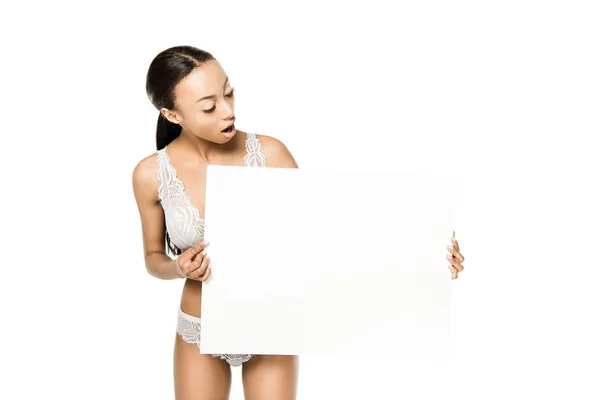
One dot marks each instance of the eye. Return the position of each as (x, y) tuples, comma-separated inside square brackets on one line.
[(230, 94)]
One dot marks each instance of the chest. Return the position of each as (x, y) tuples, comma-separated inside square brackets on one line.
[(190, 182)]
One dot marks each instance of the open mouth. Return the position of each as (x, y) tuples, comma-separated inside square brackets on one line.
[(228, 129)]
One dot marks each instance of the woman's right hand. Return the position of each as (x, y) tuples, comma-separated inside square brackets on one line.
[(194, 263)]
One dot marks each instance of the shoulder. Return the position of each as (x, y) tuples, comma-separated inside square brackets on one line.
[(144, 177), (276, 152)]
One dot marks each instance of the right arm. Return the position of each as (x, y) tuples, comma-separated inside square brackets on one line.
[(145, 189)]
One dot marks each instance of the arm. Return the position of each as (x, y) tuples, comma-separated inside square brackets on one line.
[(145, 189)]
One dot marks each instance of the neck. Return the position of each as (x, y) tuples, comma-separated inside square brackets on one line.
[(204, 149)]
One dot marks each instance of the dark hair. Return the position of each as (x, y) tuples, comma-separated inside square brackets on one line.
[(166, 70)]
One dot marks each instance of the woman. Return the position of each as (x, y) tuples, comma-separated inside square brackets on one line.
[(195, 128)]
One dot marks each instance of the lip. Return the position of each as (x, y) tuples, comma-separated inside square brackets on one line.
[(229, 134), (231, 124)]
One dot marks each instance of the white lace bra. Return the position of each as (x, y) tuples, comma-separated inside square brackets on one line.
[(182, 218)]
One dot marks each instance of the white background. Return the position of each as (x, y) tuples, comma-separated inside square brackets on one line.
[(503, 93)]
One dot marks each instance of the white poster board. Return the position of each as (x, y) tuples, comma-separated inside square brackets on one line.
[(327, 262)]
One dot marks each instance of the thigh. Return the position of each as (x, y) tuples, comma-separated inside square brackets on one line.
[(271, 377), (199, 376)]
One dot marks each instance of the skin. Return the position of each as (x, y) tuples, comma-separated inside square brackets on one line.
[(201, 376), (455, 257)]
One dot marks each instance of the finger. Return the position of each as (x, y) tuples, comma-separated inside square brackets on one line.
[(454, 243), (198, 264), (455, 253), (206, 274), (193, 265), (453, 271), (457, 265), (190, 254), (455, 262), (203, 265), (199, 247), (204, 278)]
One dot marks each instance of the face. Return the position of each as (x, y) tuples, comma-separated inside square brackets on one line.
[(205, 103)]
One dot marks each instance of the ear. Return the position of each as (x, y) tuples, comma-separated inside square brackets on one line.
[(170, 115)]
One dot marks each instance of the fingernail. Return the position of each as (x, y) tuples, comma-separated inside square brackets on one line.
[(449, 256), (451, 247), (206, 243)]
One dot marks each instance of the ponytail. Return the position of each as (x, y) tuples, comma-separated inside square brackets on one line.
[(166, 131)]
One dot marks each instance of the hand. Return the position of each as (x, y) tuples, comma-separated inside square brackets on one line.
[(194, 263), (455, 258)]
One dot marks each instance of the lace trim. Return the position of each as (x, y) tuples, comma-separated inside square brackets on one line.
[(235, 360), (254, 157), (185, 215), (189, 328)]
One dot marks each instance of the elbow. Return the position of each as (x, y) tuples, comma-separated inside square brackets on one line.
[(150, 271), (149, 262)]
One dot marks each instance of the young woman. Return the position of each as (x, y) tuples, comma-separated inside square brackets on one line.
[(196, 128)]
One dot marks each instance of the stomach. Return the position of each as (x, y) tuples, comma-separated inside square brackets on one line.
[(191, 298)]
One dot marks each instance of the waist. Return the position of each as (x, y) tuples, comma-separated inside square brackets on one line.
[(191, 297)]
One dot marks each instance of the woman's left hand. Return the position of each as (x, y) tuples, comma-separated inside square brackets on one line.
[(455, 258)]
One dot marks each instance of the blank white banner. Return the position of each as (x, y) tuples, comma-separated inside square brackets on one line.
[(328, 262)]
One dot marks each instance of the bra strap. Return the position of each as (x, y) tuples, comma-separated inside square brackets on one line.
[(254, 157)]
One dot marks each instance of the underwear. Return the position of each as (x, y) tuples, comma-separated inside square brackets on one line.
[(188, 327)]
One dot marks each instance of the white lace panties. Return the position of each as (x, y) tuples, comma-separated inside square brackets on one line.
[(188, 326)]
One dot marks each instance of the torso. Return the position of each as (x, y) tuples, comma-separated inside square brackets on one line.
[(192, 175)]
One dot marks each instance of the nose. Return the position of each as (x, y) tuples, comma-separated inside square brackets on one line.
[(227, 110)]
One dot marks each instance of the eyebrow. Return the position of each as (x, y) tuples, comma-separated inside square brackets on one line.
[(213, 95)]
